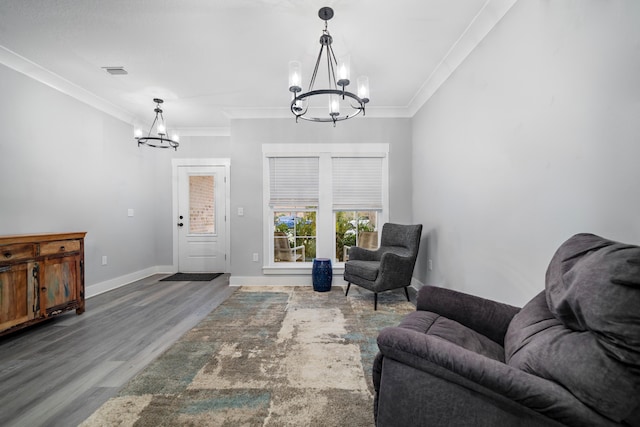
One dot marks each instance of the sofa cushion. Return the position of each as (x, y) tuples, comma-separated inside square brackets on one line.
[(584, 330), (367, 270), (435, 325)]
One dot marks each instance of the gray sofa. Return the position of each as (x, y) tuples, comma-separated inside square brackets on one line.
[(571, 356)]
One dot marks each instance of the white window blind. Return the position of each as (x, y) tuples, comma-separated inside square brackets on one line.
[(357, 183), (293, 181)]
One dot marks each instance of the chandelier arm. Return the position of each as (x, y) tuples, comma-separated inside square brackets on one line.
[(333, 63), (155, 119), (330, 71), (315, 70)]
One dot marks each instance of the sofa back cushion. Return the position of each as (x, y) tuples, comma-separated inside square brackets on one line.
[(584, 330)]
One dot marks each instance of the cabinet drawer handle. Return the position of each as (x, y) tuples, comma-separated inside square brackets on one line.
[(3, 269), (7, 255), (61, 248)]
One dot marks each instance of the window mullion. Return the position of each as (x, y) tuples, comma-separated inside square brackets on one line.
[(325, 232)]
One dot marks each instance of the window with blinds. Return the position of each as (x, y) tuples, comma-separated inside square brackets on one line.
[(357, 183), (322, 199), (293, 181)]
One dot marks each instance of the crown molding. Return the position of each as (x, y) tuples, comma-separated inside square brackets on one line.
[(204, 131), (485, 20), (285, 113), (31, 69)]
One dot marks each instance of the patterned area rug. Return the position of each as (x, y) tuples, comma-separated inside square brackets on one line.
[(268, 356)]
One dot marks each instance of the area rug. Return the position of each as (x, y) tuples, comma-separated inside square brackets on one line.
[(191, 277), (267, 356)]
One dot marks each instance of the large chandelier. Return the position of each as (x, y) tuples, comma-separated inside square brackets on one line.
[(159, 128), (339, 103)]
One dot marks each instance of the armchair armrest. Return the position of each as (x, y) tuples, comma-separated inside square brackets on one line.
[(482, 376), (396, 269), (487, 317)]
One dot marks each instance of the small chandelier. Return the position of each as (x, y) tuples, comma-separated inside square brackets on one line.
[(158, 127), (354, 103)]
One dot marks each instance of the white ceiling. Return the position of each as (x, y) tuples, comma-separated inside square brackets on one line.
[(220, 59)]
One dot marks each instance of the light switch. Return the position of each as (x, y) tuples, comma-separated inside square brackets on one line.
[(240, 211), (130, 212)]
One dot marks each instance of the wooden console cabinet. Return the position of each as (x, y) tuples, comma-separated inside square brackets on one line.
[(41, 275)]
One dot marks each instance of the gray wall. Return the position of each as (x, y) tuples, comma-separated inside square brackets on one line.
[(533, 138), (65, 166), (247, 137)]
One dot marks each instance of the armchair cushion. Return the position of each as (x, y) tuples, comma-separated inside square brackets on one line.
[(585, 333), (368, 270)]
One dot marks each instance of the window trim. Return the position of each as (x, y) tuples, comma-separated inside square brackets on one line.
[(326, 214)]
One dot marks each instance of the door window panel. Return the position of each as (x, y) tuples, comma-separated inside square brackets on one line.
[(201, 204)]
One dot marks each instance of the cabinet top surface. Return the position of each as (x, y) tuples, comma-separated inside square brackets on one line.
[(41, 237)]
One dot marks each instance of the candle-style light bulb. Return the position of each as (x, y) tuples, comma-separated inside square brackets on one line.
[(344, 71), (334, 105), (295, 76), (363, 88)]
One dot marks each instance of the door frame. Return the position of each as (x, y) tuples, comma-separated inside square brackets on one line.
[(222, 162)]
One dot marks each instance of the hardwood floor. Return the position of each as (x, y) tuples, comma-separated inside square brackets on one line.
[(59, 372)]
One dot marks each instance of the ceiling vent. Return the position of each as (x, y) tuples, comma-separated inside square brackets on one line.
[(116, 71)]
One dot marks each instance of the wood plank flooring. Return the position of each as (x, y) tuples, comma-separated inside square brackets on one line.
[(59, 372)]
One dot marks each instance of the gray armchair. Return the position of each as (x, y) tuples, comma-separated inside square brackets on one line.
[(388, 267), (570, 356)]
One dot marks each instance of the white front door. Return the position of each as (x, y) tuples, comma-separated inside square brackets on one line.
[(201, 219)]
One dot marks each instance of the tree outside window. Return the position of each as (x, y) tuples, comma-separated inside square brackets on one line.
[(299, 227), (349, 228)]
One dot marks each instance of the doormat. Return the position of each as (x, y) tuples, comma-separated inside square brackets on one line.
[(191, 277)]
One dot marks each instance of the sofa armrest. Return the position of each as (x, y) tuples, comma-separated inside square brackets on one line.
[(487, 317), (490, 378)]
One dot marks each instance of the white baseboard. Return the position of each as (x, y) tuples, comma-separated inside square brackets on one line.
[(270, 280), (108, 285), (279, 280), (416, 284)]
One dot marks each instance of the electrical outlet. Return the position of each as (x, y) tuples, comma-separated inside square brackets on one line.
[(430, 265), (104, 260), (255, 257)]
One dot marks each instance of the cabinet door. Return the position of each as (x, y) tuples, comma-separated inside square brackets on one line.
[(59, 283), (18, 287)]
